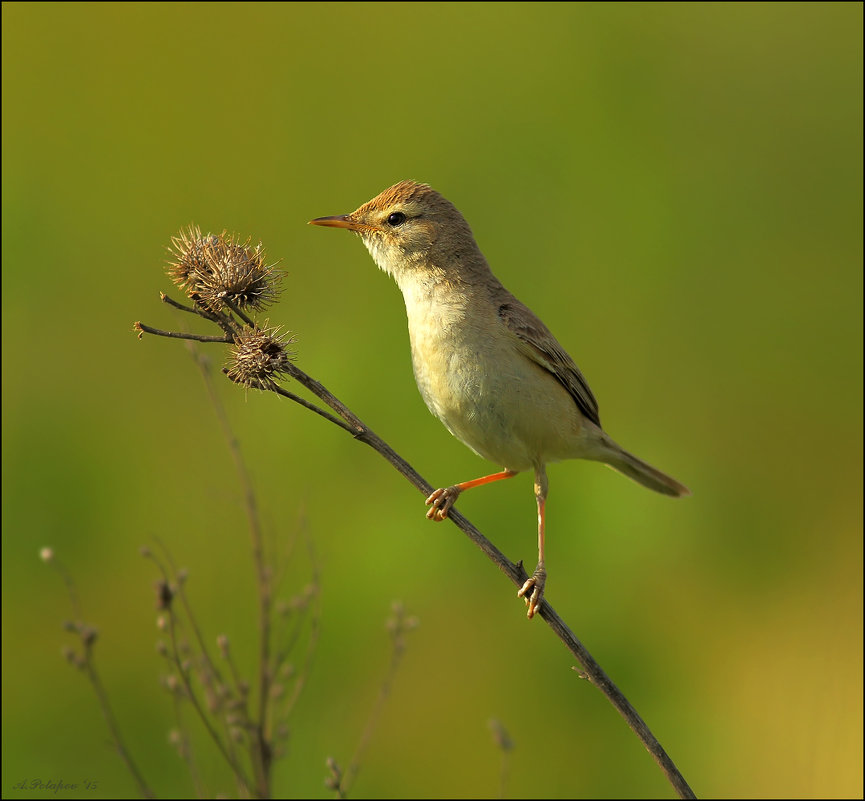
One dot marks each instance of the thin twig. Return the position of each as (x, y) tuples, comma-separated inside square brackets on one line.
[(313, 408), (179, 590), (398, 626), (517, 574), (314, 632), (222, 320), (108, 714), (172, 302), (173, 621), (503, 740), (262, 749), (240, 313), (87, 663), (179, 738), (202, 714), (139, 326)]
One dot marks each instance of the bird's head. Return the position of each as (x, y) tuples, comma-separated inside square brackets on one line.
[(411, 231)]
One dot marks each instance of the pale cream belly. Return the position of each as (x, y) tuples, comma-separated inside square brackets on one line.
[(504, 407)]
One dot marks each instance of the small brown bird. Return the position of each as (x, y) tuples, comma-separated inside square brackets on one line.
[(485, 365)]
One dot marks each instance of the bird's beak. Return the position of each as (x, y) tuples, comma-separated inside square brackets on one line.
[(343, 221)]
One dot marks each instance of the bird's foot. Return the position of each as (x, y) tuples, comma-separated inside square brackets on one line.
[(533, 590), (441, 501)]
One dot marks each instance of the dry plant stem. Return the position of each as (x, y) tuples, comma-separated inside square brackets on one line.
[(503, 741), (202, 714), (240, 313), (517, 574), (172, 580), (185, 747), (180, 592), (314, 633), (102, 696), (383, 693), (313, 408), (262, 751), (179, 334), (172, 302), (222, 320), (114, 728), (226, 751)]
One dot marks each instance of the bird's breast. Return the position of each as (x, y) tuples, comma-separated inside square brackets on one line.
[(499, 403)]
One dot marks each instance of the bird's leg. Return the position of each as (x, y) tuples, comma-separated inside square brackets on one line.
[(443, 499), (533, 590)]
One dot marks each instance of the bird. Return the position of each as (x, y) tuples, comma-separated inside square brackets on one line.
[(486, 366)]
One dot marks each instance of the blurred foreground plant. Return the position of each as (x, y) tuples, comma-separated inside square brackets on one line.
[(398, 625), (245, 719)]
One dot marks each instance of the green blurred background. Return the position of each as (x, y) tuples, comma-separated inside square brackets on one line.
[(674, 188)]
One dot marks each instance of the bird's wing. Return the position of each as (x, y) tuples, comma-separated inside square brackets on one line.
[(537, 343)]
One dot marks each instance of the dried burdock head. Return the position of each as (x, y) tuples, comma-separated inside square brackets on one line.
[(218, 269), (187, 258), (259, 357), (239, 274)]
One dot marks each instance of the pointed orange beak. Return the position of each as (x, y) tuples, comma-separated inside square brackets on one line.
[(342, 221)]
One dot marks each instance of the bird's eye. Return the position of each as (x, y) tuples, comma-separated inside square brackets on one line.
[(395, 219)]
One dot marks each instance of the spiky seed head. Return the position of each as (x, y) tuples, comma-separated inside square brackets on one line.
[(218, 269), (260, 356)]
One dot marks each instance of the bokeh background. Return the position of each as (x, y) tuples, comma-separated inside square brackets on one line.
[(675, 188)]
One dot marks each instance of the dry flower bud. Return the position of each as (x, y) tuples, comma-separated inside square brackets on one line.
[(500, 735), (259, 357), (187, 253), (216, 269), (164, 595), (89, 635), (333, 781)]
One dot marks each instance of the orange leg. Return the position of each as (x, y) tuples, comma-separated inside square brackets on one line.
[(442, 500), (533, 590)]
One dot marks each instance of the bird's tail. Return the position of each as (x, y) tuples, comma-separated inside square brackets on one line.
[(638, 470)]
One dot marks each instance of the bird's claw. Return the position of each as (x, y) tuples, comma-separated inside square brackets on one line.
[(440, 503), (533, 590)]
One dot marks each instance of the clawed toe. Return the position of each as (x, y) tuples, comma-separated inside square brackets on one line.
[(440, 503), (533, 590)]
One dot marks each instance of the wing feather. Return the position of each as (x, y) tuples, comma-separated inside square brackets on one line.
[(538, 344)]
